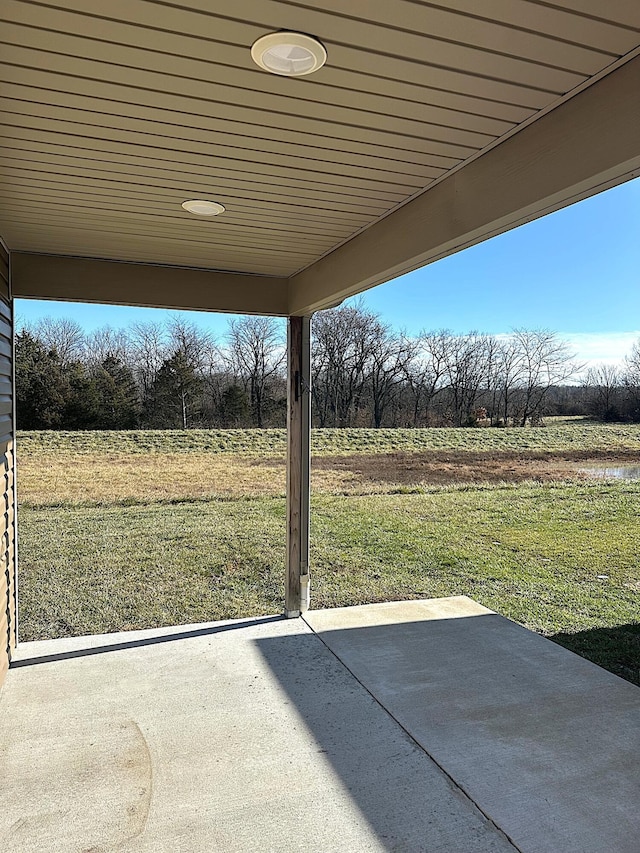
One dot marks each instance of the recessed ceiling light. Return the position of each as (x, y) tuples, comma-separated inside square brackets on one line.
[(199, 207), (289, 54)]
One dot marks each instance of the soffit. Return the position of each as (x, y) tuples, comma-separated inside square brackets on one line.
[(113, 114)]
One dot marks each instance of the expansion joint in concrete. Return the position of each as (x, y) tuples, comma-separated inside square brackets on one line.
[(460, 788)]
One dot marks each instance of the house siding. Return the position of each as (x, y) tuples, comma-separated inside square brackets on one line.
[(8, 635)]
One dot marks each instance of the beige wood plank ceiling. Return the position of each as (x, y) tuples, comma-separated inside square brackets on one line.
[(113, 114)]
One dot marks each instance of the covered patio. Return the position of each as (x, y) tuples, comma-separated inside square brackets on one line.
[(430, 725), (149, 157)]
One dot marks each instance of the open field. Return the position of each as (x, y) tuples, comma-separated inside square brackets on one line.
[(169, 465), (132, 530)]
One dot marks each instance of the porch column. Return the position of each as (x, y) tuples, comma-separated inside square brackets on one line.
[(298, 463)]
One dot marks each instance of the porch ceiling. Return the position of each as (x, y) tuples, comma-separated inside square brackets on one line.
[(112, 115)]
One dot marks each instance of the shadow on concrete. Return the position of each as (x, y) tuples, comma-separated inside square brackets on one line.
[(143, 641), (616, 649), (404, 796), (541, 742)]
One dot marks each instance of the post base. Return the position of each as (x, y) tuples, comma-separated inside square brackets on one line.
[(305, 592)]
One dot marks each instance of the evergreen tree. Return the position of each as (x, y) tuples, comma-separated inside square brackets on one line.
[(234, 406), (41, 389), (117, 396), (173, 399), (82, 404)]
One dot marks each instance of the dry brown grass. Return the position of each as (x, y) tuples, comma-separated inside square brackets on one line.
[(108, 478), (54, 478)]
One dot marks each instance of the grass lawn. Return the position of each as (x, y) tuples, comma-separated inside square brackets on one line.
[(153, 546)]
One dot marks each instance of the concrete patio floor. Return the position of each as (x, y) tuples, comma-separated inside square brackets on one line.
[(414, 726)]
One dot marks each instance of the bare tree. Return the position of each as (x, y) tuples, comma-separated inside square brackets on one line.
[(468, 364), (197, 345), (344, 340), (391, 356), (363, 373), (426, 372), (546, 361), (215, 379), (256, 356), (632, 366), (631, 382), (65, 336), (604, 385), (105, 343), (149, 349), (508, 377)]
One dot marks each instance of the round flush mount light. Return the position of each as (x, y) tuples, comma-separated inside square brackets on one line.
[(289, 54), (200, 207)]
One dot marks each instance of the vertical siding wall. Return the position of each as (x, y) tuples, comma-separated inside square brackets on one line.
[(7, 504)]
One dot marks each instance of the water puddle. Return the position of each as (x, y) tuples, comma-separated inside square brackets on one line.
[(619, 472)]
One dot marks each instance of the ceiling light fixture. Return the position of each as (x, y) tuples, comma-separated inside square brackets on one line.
[(199, 207), (288, 54)]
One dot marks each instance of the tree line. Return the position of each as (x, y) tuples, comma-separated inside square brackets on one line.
[(364, 373), (613, 392), (171, 375)]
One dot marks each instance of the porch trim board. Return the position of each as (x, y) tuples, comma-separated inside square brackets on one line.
[(112, 282)]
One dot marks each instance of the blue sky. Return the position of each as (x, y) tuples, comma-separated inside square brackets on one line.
[(576, 271)]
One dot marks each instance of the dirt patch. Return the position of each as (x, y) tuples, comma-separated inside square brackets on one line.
[(433, 468)]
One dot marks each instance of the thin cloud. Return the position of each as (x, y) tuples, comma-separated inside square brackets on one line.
[(601, 347)]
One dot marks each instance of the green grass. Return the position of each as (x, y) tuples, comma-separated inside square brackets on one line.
[(119, 568), (578, 435), (532, 552), (123, 530)]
